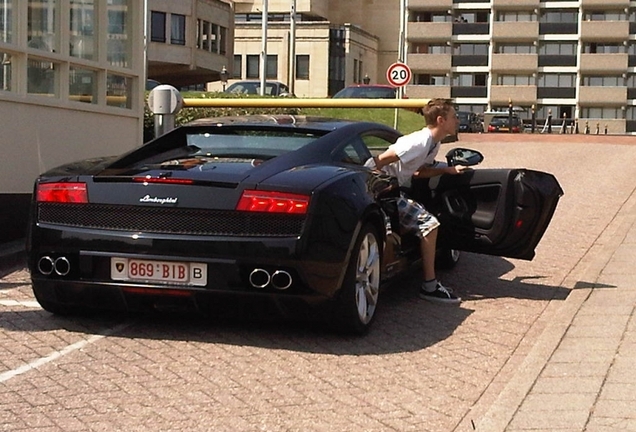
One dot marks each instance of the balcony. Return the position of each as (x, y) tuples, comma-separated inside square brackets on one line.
[(557, 60), (430, 4), (430, 31), (558, 28), (605, 31), (427, 63), (469, 92), (428, 92), (515, 31), (605, 4), (604, 63), (471, 28), (601, 95), (520, 95), (556, 92), (515, 62), (515, 4), (469, 60)]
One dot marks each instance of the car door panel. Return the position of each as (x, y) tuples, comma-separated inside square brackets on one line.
[(501, 212)]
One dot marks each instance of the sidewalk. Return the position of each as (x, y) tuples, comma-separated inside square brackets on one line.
[(580, 374)]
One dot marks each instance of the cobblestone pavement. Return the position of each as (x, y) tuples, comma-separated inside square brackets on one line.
[(423, 367)]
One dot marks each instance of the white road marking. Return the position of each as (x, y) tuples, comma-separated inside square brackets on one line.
[(5, 376), (27, 303)]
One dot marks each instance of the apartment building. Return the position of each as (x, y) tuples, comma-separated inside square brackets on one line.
[(573, 59), (568, 58)]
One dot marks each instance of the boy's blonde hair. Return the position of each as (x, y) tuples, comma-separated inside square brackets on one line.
[(436, 108)]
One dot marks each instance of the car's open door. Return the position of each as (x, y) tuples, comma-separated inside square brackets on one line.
[(502, 212)]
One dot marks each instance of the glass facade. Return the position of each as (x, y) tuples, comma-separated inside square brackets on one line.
[(62, 54)]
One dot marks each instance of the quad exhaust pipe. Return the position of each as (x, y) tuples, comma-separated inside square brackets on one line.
[(279, 279), (60, 266)]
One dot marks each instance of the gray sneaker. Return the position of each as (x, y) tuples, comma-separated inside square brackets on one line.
[(440, 295)]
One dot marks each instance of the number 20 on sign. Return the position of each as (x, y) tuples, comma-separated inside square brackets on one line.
[(398, 74)]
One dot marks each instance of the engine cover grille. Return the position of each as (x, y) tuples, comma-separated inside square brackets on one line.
[(170, 220)]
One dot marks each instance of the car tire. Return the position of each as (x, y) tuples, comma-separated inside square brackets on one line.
[(357, 301), (446, 259)]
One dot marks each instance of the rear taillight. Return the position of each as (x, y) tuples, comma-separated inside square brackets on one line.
[(273, 202), (62, 192)]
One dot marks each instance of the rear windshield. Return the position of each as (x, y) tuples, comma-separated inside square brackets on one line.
[(249, 143)]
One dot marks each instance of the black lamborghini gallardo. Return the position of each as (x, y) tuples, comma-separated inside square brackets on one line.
[(261, 214)]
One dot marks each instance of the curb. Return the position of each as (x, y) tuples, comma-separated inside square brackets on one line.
[(497, 415)]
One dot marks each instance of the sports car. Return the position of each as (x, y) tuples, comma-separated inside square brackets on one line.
[(262, 214)]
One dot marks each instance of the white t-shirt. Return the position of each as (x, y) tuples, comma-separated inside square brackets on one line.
[(414, 150)]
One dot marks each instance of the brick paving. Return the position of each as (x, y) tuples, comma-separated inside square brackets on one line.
[(526, 350)]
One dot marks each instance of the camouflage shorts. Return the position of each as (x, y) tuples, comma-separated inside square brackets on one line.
[(414, 217)]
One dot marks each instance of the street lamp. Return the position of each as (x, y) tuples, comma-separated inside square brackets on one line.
[(224, 76), (366, 80)]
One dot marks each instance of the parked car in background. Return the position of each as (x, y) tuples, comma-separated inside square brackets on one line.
[(469, 122), (253, 87), (501, 123), (367, 91)]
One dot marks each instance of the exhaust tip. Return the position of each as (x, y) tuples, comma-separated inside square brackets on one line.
[(281, 279), (62, 266), (259, 278), (46, 265)]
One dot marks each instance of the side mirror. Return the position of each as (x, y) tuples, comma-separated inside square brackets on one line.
[(465, 157)]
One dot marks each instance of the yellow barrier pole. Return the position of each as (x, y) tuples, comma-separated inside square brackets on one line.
[(412, 104)]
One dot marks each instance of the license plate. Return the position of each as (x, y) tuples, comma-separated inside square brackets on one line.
[(168, 272)]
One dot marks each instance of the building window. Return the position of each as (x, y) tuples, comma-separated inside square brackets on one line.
[(424, 48), (302, 67), (222, 40), (119, 36), (432, 80), (177, 29), (603, 48), (556, 80), (118, 91), (515, 80), (603, 81), (82, 29), (42, 25), (42, 77), (82, 85), (253, 65), (503, 48), (602, 112), (6, 21), (559, 16), (469, 80), (615, 15), (417, 16), (516, 16), (5, 73), (238, 66), (272, 67), (158, 27), (556, 48)]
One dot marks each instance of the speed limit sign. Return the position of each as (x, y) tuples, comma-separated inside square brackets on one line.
[(398, 74)]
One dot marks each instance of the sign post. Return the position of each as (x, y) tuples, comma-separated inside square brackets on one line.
[(398, 75)]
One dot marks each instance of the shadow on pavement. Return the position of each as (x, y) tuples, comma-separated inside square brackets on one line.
[(404, 323)]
